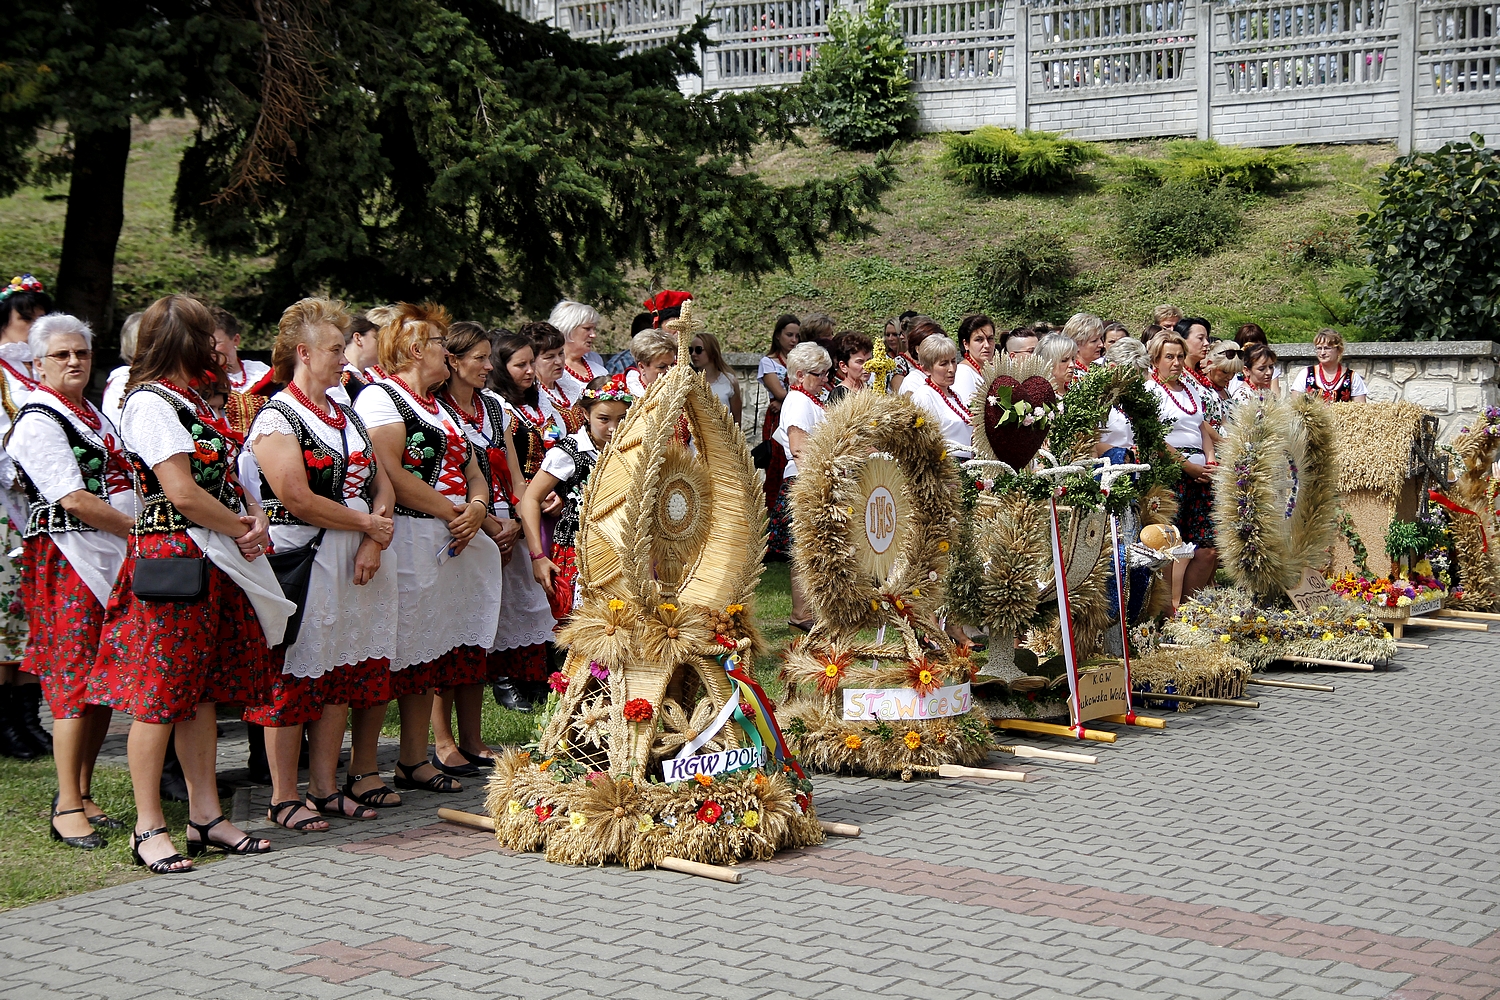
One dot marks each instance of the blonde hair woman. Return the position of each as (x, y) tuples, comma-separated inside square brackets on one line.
[(801, 414), (1329, 380)]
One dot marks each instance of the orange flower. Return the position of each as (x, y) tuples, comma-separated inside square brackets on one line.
[(833, 672), (703, 779), (921, 677)]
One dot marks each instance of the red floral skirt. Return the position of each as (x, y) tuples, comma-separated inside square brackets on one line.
[(415, 679), (458, 667), (159, 660), (561, 598), (296, 701), (65, 619), (523, 664)]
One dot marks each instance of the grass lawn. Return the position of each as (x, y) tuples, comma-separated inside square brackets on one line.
[(920, 255)]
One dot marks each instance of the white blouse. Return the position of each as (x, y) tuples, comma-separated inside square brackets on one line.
[(1181, 410), (954, 424), (559, 464), (377, 409), (571, 385), (965, 382), (797, 410)]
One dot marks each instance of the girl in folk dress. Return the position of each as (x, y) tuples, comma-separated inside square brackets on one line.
[(489, 432), (518, 661), (319, 482), (801, 414), (1329, 380), (169, 663), (447, 566), (566, 471), (73, 469)]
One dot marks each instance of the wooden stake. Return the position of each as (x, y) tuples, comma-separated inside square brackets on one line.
[(1427, 621), (1478, 616), (476, 820), (1412, 645), (839, 829), (1194, 699), (1143, 721), (959, 771), (1319, 662), (718, 873), (1035, 754), (1053, 729), (1294, 685)]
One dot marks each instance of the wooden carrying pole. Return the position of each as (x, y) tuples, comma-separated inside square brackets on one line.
[(839, 829), (1478, 616), (717, 872), (1433, 621), (959, 771), (1032, 753), (1143, 721), (1053, 729), (1319, 662), (1194, 699), (1294, 685)]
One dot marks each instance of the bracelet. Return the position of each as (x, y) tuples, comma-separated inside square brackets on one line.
[(480, 500), (538, 555)]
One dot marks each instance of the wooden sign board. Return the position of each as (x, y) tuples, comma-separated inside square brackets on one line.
[(1100, 693), (1312, 592)]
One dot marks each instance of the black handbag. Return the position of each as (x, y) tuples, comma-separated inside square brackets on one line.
[(761, 454), (293, 569), (180, 579)]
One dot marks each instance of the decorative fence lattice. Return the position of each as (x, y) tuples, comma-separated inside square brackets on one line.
[(636, 24), (1285, 45), (957, 41), (1093, 45), (1458, 48), (768, 41)]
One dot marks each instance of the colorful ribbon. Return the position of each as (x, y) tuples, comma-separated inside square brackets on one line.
[(1452, 507)]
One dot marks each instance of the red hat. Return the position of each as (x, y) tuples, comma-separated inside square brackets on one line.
[(665, 300)]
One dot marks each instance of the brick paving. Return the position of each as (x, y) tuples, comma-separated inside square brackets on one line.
[(1327, 845)]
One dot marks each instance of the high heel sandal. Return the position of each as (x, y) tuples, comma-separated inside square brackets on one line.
[(405, 778), (91, 841), (333, 805), (161, 866), (102, 821), (280, 810), (377, 797), (241, 846)]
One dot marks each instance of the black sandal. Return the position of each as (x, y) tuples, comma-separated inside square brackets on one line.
[(203, 843), (161, 866), (437, 783), (463, 770), (321, 806), (289, 808), (102, 821), (801, 626), (91, 841), (377, 797)]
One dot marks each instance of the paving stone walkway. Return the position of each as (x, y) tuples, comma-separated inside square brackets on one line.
[(1342, 844)]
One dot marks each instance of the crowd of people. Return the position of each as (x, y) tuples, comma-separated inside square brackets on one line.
[(308, 541)]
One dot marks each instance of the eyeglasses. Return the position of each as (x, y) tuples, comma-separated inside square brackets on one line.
[(696, 350), (821, 373), (62, 357)]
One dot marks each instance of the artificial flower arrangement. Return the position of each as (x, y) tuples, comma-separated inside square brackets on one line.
[(1229, 619), (1417, 587)]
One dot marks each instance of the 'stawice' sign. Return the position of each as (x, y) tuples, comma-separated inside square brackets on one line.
[(893, 704)]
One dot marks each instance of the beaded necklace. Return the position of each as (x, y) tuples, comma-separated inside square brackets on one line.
[(969, 360), (816, 401), (943, 394), (26, 380), (1172, 396), (559, 398), (585, 379), (428, 403), (204, 412), (336, 420), (84, 413)]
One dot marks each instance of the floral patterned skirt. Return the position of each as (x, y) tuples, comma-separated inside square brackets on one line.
[(561, 598), (296, 701), (779, 538), (523, 664), (1195, 512), (66, 618), (159, 660), (460, 666)]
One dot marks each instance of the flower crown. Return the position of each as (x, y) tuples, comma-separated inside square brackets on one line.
[(21, 283), (616, 390)]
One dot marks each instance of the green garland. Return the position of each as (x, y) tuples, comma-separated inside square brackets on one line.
[(1086, 406), (1356, 544)]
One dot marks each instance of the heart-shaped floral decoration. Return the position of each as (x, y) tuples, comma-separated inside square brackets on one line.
[(1016, 417)]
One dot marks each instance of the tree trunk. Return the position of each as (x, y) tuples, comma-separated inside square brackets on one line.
[(96, 213)]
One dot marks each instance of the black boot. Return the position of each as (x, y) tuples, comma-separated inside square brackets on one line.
[(508, 696), (173, 785), (259, 765), (29, 717), (13, 742)]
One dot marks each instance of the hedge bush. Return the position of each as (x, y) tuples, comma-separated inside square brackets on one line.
[(1176, 220), (998, 160), (858, 90), (1026, 275), (1207, 164)]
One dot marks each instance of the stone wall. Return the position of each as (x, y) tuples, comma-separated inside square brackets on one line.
[(1455, 380)]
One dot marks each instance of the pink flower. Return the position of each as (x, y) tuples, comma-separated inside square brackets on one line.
[(557, 681)]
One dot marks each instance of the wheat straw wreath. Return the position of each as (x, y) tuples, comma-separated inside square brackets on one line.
[(669, 554)]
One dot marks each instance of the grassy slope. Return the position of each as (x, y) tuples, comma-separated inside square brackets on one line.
[(916, 259)]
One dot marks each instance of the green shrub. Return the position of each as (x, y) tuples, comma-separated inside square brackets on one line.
[(1329, 244), (858, 91), (1027, 274), (1207, 164), (1176, 220), (1434, 246), (1001, 159)]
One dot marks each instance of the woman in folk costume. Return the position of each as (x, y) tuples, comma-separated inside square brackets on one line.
[(565, 471), (489, 430), (448, 567), (581, 364), (1329, 379), (976, 334), (180, 637), (321, 486), (72, 467), (22, 302)]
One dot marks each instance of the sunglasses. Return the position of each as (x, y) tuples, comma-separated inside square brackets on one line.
[(696, 350), (62, 357)]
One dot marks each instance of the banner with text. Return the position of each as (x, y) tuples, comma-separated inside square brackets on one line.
[(892, 704), (687, 768)]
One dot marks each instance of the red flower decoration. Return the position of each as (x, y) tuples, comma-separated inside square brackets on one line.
[(543, 812), (638, 710), (557, 681), (710, 812), (803, 802)]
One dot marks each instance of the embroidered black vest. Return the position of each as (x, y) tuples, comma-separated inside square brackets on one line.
[(425, 444), (47, 518), (326, 468), (353, 384), (210, 464), (566, 529), (492, 460), (1341, 392)]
